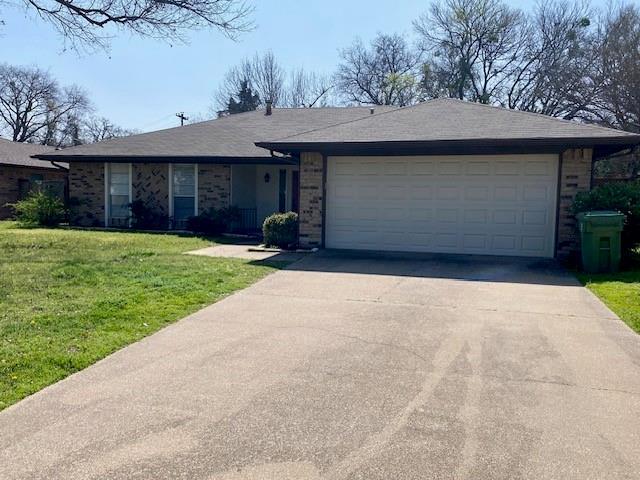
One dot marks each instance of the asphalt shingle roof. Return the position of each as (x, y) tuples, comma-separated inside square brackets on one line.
[(231, 136), (19, 154), (451, 119), (441, 120)]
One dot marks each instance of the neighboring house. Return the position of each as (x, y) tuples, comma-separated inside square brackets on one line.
[(442, 176), (20, 173)]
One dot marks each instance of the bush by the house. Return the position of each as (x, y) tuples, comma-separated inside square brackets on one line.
[(214, 221), (620, 197), (146, 216), (281, 230), (40, 208)]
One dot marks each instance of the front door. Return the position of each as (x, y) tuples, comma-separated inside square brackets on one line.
[(295, 191)]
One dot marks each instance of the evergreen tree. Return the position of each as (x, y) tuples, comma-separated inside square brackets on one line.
[(246, 100)]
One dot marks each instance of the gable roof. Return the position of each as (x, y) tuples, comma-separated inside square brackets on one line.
[(19, 154), (449, 121), (233, 136)]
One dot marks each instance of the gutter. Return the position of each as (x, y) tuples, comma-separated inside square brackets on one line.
[(572, 142), (226, 160)]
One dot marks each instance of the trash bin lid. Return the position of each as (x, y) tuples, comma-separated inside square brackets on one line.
[(601, 213)]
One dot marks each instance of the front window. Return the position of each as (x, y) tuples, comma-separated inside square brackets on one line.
[(184, 193), (119, 194)]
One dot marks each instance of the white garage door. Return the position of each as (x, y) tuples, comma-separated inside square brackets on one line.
[(496, 205)]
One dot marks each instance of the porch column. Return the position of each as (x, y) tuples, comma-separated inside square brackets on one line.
[(311, 199)]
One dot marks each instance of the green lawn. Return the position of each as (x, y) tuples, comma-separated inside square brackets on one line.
[(620, 291), (69, 298)]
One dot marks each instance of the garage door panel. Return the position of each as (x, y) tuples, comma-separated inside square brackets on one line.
[(537, 168), (477, 193), (476, 216), (537, 218), (502, 205), (535, 193), (475, 241), (419, 167), (448, 192), (505, 217), (505, 193), (395, 168), (478, 168), (505, 243), (507, 167), (447, 215), (420, 192), (533, 243), (450, 167), (420, 214)]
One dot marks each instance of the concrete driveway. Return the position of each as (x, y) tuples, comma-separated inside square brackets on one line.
[(346, 367)]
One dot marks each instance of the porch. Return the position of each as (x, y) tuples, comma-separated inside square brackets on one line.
[(261, 190)]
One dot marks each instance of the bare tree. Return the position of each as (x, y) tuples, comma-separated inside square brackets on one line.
[(384, 73), (33, 105), (557, 74), (472, 46), (307, 89), (96, 129), (85, 21), (262, 73), (268, 77), (618, 102)]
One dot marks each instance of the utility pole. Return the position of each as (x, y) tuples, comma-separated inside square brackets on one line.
[(182, 118)]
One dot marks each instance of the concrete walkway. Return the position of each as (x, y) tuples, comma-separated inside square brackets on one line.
[(247, 252), (350, 367)]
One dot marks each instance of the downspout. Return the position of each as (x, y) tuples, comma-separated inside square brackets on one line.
[(60, 167)]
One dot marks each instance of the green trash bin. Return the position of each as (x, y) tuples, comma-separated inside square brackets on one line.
[(600, 237)]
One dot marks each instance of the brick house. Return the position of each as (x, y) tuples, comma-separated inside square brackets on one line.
[(442, 176), (20, 173)]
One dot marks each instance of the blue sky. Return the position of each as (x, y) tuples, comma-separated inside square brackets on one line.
[(141, 83)]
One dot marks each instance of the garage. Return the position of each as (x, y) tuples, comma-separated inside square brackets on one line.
[(447, 176), (470, 204)]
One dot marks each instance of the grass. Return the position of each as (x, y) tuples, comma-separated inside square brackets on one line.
[(619, 291), (69, 298)]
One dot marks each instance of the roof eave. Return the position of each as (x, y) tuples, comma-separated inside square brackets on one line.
[(465, 146), (224, 160), (52, 167)]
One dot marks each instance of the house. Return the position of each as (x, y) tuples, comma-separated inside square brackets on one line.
[(20, 173), (442, 176)]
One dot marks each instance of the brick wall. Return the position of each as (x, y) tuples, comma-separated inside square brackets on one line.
[(10, 177), (150, 183), (214, 186), (311, 199), (575, 176), (86, 186)]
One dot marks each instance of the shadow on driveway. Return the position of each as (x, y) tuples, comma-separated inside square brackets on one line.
[(479, 268)]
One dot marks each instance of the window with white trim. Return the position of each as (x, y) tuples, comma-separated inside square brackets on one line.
[(184, 188), (119, 194)]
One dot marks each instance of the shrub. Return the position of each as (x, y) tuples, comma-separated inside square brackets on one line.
[(40, 208), (205, 224), (281, 230), (214, 221), (621, 197), (146, 215), (228, 216)]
